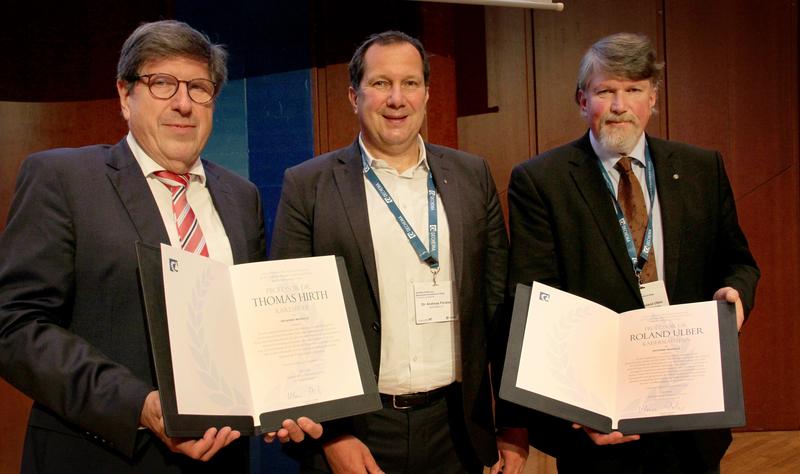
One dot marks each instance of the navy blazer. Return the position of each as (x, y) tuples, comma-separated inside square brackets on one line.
[(323, 211), (564, 233), (72, 324)]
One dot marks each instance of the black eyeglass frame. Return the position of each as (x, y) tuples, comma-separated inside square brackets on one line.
[(147, 80)]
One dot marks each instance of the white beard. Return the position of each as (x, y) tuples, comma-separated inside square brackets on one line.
[(619, 140)]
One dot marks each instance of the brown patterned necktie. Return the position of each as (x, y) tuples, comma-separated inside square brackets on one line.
[(631, 200), (189, 231)]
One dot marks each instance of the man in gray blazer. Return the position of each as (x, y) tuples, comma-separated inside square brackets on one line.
[(72, 325), (568, 229), (422, 232)]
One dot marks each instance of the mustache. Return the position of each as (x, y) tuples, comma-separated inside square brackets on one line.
[(620, 118)]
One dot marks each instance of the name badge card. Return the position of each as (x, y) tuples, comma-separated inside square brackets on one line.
[(654, 294), (433, 302)]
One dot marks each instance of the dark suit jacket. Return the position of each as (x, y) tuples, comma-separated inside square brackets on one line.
[(564, 233), (323, 211), (72, 325)]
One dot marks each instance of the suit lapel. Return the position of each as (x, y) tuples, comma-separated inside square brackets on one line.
[(131, 186), (670, 198), (127, 178), (228, 212), (586, 174), (350, 184), (448, 187)]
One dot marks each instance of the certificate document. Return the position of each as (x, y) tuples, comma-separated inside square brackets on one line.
[(265, 340), (654, 369)]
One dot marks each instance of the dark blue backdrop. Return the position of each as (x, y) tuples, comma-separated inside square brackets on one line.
[(263, 118)]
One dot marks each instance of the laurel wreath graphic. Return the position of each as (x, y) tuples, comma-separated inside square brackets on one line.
[(222, 393), (558, 359)]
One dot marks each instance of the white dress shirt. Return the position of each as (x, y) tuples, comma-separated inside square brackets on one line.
[(609, 159), (219, 248), (414, 357)]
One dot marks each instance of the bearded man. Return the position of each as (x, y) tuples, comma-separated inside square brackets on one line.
[(615, 217)]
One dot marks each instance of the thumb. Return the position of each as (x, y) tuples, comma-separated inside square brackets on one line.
[(371, 465), (313, 429)]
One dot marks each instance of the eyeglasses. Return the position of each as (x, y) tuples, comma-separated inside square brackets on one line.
[(165, 86)]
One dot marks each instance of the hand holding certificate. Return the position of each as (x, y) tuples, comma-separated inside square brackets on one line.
[(655, 369), (255, 344)]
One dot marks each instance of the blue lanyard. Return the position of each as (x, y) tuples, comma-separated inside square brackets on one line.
[(430, 257), (640, 260)]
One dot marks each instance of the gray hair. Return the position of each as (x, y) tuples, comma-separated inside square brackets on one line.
[(168, 39), (624, 55), (356, 66)]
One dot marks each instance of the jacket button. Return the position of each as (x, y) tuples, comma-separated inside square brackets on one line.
[(376, 326)]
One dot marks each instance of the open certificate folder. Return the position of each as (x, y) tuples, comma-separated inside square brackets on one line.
[(251, 345), (648, 370)]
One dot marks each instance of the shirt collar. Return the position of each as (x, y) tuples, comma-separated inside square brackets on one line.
[(149, 166), (609, 159), (377, 163)]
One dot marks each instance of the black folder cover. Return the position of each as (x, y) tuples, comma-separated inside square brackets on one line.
[(187, 425), (731, 380)]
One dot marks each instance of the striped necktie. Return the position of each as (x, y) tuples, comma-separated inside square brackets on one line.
[(189, 232), (631, 200)]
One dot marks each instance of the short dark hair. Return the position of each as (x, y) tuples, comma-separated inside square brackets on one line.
[(356, 66), (625, 55), (167, 39)]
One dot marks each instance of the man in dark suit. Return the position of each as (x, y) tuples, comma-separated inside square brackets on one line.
[(566, 231), (72, 326), (417, 224)]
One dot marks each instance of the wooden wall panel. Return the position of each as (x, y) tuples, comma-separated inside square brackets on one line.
[(440, 121), (14, 409), (438, 25), (339, 126), (560, 39), (730, 91), (28, 127), (24, 129), (505, 137), (732, 86), (770, 341)]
